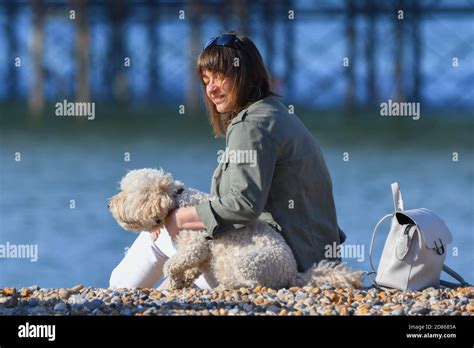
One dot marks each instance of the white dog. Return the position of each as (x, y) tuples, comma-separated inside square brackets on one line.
[(250, 256)]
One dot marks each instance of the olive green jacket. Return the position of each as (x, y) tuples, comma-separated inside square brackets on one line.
[(274, 170)]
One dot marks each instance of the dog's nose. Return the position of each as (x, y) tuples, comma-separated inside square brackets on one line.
[(108, 205)]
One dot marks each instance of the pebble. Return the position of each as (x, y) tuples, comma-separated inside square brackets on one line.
[(248, 307), (25, 292), (234, 311), (149, 311), (32, 302), (80, 300), (398, 312), (301, 296), (64, 294), (116, 300), (76, 300), (94, 304), (343, 310), (420, 310), (76, 288), (126, 311), (274, 309), (9, 302), (98, 312), (60, 307), (9, 291), (362, 310)]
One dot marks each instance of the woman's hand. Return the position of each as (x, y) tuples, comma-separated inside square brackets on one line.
[(180, 219), (155, 233), (171, 223)]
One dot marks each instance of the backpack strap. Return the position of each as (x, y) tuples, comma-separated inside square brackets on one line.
[(373, 238), (398, 205), (456, 276), (397, 197)]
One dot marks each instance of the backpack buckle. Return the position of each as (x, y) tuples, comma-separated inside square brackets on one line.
[(439, 249)]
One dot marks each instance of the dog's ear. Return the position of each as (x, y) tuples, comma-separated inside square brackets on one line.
[(155, 207), (118, 206), (179, 187)]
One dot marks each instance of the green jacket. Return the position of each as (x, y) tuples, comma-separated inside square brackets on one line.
[(274, 170)]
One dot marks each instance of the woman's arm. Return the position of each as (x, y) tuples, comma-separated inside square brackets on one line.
[(183, 219), (248, 181)]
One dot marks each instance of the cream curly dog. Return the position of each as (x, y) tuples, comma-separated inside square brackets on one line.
[(250, 256)]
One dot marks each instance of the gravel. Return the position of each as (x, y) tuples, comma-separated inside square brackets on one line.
[(80, 300)]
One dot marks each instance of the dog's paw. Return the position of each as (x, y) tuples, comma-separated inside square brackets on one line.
[(221, 287), (190, 276), (176, 283), (167, 268)]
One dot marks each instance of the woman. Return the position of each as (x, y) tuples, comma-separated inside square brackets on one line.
[(272, 170)]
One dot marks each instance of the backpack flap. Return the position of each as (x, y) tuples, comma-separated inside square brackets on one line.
[(404, 241), (436, 234)]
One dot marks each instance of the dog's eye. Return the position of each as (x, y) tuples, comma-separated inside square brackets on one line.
[(157, 221)]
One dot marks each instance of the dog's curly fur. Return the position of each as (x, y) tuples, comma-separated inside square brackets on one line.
[(250, 256)]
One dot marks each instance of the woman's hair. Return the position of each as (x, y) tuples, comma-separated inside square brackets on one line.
[(244, 67)]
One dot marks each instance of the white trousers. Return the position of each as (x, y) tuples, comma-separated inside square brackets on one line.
[(142, 266)]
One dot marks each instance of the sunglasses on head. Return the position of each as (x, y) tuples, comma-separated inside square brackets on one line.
[(228, 40)]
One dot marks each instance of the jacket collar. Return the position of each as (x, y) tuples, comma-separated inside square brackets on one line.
[(241, 115)]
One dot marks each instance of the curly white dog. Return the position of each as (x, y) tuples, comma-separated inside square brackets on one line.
[(250, 256)]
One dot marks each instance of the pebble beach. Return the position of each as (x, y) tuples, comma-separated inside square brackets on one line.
[(80, 300)]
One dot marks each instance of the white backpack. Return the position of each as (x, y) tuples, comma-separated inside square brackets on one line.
[(415, 249)]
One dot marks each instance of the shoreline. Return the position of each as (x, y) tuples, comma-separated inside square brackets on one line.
[(79, 300)]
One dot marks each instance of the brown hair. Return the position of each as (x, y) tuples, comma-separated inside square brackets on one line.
[(250, 78)]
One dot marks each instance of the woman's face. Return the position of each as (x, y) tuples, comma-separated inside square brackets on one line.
[(218, 89)]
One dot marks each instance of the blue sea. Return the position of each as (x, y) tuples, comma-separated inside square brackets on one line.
[(54, 187)]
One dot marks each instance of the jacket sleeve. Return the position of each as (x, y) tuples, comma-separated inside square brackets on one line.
[(250, 169)]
